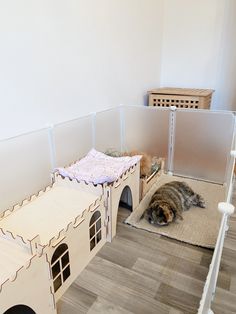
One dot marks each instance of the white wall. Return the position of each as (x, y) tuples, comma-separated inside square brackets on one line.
[(63, 59), (226, 78), (199, 47)]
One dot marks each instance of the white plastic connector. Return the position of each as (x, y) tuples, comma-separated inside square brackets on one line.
[(173, 108), (226, 208)]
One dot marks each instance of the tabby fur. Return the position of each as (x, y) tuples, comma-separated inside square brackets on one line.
[(169, 201)]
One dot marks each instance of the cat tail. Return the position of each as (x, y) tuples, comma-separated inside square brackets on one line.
[(199, 201)]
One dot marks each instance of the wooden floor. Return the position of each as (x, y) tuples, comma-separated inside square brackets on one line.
[(225, 299), (140, 272)]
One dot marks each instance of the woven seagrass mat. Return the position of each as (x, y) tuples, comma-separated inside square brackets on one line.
[(200, 225)]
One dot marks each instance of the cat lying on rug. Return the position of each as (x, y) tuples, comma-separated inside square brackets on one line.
[(169, 201)]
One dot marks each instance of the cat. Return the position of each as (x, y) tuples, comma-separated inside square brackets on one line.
[(169, 201), (145, 162)]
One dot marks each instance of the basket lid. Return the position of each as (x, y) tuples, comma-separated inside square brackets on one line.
[(182, 91)]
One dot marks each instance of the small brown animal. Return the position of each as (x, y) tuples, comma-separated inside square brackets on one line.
[(169, 201), (145, 163)]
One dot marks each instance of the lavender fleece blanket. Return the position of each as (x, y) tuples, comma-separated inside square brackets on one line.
[(98, 168)]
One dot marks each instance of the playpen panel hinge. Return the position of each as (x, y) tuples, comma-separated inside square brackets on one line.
[(171, 143)]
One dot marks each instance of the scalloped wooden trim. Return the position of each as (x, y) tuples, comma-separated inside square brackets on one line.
[(81, 182), (125, 175), (78, 223), (116, 183), (11, 236), (30, 244), (14, 276), (93, 208), (34, 245), (26, 201), (53, 242)]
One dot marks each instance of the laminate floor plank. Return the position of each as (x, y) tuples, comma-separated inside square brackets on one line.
[(117, 283), (225, 299), (170, 276), (183, 301), (128, 298), (76, 300), (101, 306), (159, 243), (124, 277), (141, 272), (130, 252)]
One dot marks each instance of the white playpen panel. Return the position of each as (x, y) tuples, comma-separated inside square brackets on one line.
[(72, 140), (107, 130), (202, 144), (146, 129), (230, 170), (25, 165)]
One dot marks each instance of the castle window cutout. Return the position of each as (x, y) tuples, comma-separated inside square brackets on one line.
[(19, 309), (95, 231), (60, 266)]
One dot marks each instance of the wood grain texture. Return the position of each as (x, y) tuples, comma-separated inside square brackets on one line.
[(140, 272), (225, 299)]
